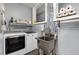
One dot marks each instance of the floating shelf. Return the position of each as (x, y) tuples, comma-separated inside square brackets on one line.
[(73, 18), (67, 21), (15, 24), (37, 23)]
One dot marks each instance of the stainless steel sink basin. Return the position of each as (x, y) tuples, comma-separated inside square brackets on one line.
[(46, 38), (46, 46), (30, 32), (46, 43)]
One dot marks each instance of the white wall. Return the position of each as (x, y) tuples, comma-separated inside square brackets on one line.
[(18, 11), (38, 28), (68, 39), (68, 36)]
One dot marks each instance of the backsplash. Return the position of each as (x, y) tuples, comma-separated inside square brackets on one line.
[(20, 28)]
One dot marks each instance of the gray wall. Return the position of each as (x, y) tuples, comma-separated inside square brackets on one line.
[(68, 36), (50, 14), (18, 11)]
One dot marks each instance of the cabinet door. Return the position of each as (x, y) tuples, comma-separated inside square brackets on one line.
[(31, 42), (1, 44), (28, 43), (40, 13), (1, 16)]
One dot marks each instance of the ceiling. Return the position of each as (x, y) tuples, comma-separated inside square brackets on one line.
[(30, 4)]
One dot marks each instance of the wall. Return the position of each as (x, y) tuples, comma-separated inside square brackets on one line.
[(68, 36), (37, 28), (50, 14), (17, 11)]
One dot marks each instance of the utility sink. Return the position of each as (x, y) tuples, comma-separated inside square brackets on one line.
[(46, 38), (46, 43), (30, 32)]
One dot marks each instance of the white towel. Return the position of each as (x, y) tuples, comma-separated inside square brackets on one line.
[(58, 15), (71, 12), (62, 10), (65, 14), (68, 8)]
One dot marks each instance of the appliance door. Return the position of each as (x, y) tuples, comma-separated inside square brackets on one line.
[(14, 43)]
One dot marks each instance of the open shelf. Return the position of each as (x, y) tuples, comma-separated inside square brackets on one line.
[(16, 24), (73, 18), (67, 21), (44, 22)]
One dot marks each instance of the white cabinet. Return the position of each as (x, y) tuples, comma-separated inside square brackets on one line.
[(1, 44), (31, 42), (73, 17), (1, 15), (40, 13)]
